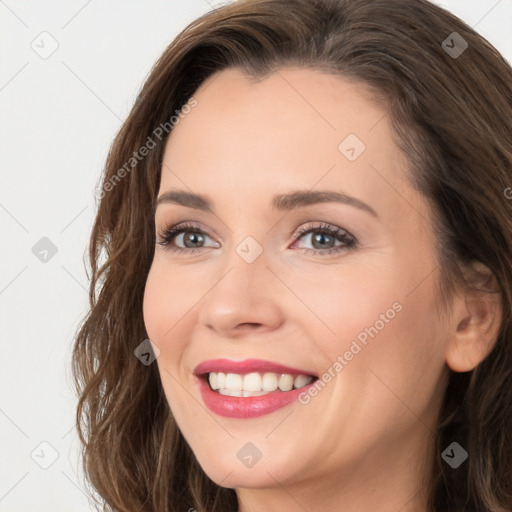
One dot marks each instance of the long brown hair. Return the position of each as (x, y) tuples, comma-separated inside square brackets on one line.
[(450, 113)]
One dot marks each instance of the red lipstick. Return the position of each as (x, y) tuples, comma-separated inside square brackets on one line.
[(251, 406), (247, 366)]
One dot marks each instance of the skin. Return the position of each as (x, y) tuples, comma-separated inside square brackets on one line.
[(365, 440)]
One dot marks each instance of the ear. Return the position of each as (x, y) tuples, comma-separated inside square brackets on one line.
[(475, 321)]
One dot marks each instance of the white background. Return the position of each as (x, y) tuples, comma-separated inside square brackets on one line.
[(58, 118)]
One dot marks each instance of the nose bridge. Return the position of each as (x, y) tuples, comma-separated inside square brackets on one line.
[(252, 244), (247, 267), (242, 293), (251, 250), (247, 237)]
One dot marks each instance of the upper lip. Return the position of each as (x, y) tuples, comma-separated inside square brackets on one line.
[(246, 366)]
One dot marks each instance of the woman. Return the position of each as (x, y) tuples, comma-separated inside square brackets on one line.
[(306, 213)]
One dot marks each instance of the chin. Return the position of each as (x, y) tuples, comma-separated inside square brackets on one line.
[(228, 471), (239, 478)]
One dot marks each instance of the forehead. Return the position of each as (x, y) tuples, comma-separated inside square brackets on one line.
[(297, 128)]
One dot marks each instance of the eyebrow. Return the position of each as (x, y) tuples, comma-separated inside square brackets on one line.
[(281, 202)]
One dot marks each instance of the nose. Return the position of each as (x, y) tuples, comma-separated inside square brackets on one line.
[(243, 297)]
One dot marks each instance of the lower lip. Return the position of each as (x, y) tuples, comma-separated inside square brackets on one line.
[(250, 406)]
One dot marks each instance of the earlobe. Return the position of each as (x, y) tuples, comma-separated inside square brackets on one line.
[(475, 327)]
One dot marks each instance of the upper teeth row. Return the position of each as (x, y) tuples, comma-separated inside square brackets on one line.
[(256, 382)]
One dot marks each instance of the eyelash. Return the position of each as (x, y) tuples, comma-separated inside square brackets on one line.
[(339, 234)]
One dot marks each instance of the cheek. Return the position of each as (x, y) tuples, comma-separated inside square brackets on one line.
[(152, 306), (163, 307), (167, 299), (389, 339), (162, 312), (342, 304), (401, 362)]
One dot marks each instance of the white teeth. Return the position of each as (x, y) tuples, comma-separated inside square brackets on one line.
[(253, 393), (269, 382), (234, 392), (255, 384), (285, 382), (301, 381), (234, 382), (230, 392), (212, 378), (252, 382)]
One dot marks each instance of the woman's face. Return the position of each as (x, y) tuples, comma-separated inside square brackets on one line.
[(357, 303)]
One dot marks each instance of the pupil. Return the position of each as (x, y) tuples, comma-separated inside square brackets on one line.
[(190, 239), (319, 237)]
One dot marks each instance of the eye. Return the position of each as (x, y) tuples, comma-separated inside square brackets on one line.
[(323, 238), (192, 234)]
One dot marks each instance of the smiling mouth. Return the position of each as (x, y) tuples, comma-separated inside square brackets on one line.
[(255, 383)]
